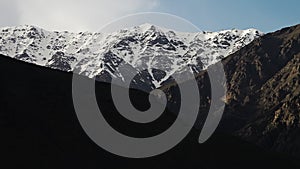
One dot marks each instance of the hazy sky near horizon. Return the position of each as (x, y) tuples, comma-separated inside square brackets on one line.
[(90, 15)]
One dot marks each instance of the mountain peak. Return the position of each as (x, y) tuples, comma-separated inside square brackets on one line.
[(147, 26)]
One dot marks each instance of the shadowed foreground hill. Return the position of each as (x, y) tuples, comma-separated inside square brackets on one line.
[(39, 129)]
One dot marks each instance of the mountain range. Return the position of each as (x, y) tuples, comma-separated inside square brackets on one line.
[(259, 127), (147, 49)]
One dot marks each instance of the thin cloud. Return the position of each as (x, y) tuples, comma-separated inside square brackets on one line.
[(9, 13), (79, 15)]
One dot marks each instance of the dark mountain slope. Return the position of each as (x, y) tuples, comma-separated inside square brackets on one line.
[(39, 129), (278, 124), (264, 83), (262, 102)]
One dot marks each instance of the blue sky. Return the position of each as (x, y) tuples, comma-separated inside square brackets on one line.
[(210, 15), (265, 15)]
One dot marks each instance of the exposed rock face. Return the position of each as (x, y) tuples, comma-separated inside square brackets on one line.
[(278, 125), (264, 88), (263, 83)]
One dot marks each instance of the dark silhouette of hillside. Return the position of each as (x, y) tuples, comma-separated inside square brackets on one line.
[(39, 129)]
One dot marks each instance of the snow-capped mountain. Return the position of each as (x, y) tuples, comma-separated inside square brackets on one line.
[(145, 48)]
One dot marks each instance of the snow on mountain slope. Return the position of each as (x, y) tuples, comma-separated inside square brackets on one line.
[(145, 48)]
